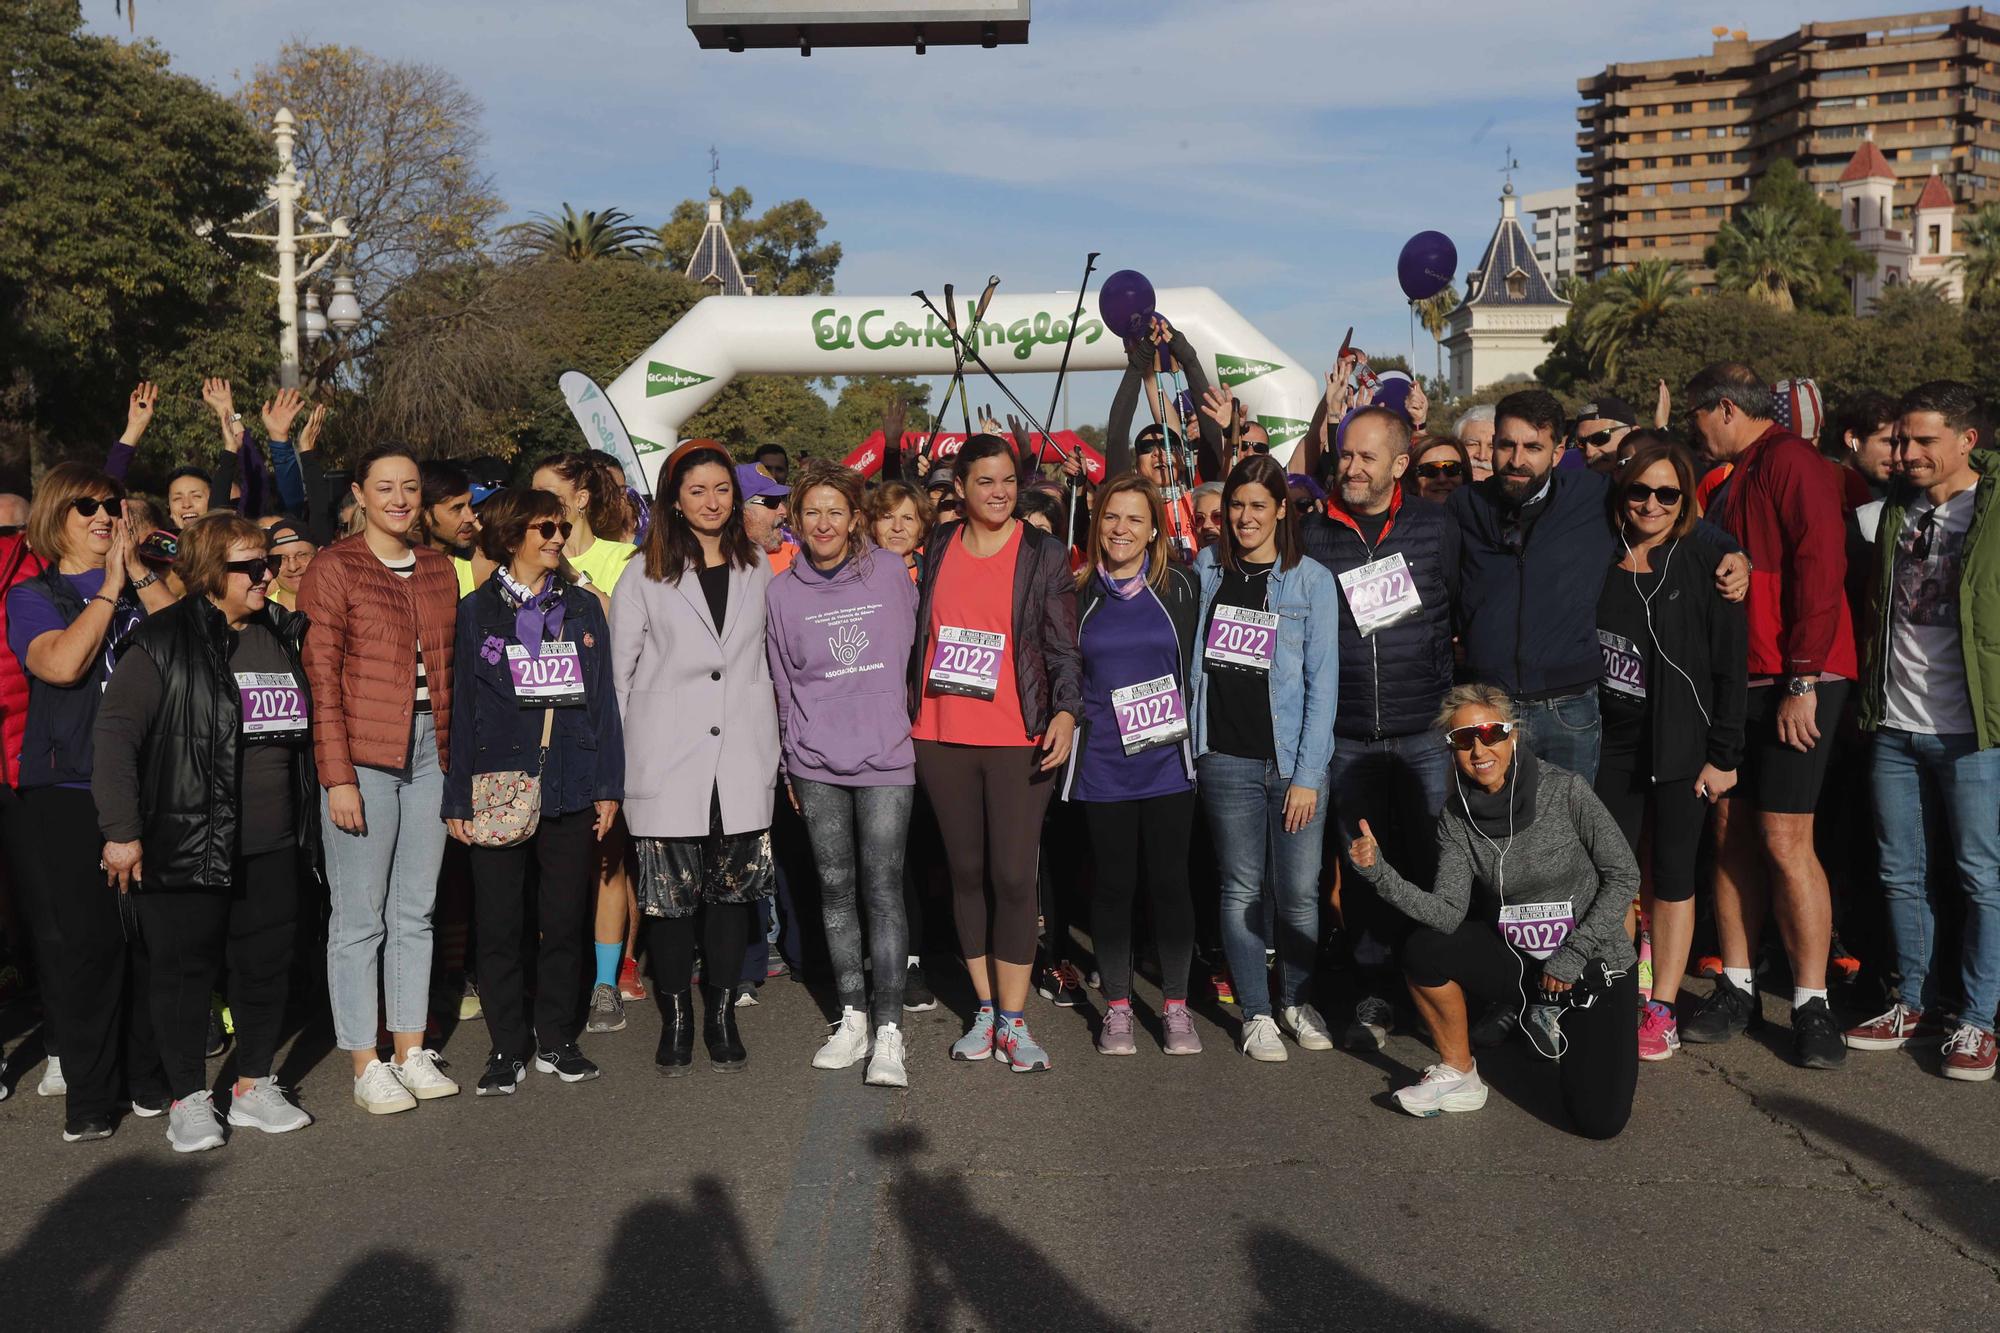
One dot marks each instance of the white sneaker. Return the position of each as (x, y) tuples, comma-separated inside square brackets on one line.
[(1308, 1029), (1261, 1041), (52, 1084), (1443, 1089), (885, 1067), (265, 1107), (379, 1092), (420, 1074), (846, 1044), (191, 1123)]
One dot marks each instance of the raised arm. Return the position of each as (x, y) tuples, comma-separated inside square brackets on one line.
[(138, 416)]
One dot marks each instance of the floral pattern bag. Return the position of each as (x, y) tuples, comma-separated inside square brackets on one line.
[(507, 806)]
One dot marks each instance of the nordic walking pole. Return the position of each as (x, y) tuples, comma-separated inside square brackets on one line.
[(1089, 263), (972, 338), (971, 352), (957, 380)]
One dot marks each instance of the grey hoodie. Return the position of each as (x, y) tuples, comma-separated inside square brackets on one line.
[(1571, 850)]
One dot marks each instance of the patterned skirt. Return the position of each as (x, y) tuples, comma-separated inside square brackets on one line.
[(676, 875)]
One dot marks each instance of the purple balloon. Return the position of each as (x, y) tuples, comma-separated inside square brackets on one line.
[(1427, 265), (1126, 301)]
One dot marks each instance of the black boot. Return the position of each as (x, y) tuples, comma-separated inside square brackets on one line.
[(676, 1052), (725, 1045)]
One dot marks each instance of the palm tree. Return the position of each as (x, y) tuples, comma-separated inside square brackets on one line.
[(578, 237), (1978, 257), (1435, 315), (1766, 254), (1625, 304)]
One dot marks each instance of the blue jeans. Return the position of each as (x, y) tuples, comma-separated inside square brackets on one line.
[(1564, 730), (384, 884), (1245, 800), (1398, 784), (1919, 780)]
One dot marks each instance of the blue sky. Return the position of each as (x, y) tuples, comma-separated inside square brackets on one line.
[(1278, 152)]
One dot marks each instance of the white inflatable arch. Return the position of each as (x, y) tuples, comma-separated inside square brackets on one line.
[(727, 336)]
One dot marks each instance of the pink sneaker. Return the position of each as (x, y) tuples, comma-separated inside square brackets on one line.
[(1659, 1034)]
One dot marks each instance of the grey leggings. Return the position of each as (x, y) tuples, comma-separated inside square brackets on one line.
[(881, 817)]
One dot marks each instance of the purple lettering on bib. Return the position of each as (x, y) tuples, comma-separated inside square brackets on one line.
[(1240, 637), (273, 703), (1537, 929), (554, 677), (967, 662), (1624, 664), (1150, 713), (1381, 593)]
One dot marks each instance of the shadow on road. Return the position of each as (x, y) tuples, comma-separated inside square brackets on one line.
[(1303, 1287), (69, 1271), (674, 1265), (384, 1291)]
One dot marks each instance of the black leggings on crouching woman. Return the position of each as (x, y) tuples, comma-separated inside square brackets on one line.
[(1600, 1062)]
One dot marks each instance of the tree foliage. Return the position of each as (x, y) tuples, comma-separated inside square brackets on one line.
[(578, 238), (112, 161), (1978, 258), (780, 249), (1766, 254), (1820, 279)]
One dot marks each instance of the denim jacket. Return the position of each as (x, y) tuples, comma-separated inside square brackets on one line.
[(1305, 670), (492, 733)]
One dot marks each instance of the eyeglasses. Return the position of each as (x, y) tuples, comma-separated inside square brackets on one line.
[(1488, 734), (1451, 469), (548, 527), (88, 505), (766, 501), (1598, 437), (1668, 496), (257, 570)]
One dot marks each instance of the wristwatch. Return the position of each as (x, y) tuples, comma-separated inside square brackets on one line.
[(1799, 685), (140, 585)]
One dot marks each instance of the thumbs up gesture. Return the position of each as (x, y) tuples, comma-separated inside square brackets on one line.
[(1362, 851)]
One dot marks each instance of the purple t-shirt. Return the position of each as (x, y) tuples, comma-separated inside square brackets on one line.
[(1124, 643), (30, 615)]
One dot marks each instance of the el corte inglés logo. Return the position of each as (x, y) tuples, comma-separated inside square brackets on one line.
[(663, 378), (1235, 370)]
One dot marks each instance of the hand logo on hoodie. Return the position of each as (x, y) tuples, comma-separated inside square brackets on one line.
[(847, 644)]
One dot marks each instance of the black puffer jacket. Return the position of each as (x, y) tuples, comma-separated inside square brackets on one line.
[(1048, 673), (189, 769), (1392, 681)]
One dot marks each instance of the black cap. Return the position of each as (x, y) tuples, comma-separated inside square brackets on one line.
[(1608, 407)]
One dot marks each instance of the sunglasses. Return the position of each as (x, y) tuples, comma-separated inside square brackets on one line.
[(1668, 496), (1488, 734), (765, 501), (88, 505), (548, 528), (1597, 437), (255, 570), (1440, 470)]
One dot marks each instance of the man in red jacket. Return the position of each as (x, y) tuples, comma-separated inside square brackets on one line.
[(1783, 503)]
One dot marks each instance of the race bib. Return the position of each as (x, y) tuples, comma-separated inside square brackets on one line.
[(1149, 713), (967, 662), (1381, 593), (1537, 929), (556, 677), (1624, 664), (273, 703), (1240, 637)]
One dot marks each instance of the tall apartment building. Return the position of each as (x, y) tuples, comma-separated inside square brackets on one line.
[(1552, 216), (1670, 148)]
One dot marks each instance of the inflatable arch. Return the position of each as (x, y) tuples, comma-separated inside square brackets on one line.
[(727, 336)]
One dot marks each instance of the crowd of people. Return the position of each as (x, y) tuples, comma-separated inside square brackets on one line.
[(532, 753)]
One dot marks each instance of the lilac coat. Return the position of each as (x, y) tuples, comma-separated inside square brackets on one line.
[(698, 708)]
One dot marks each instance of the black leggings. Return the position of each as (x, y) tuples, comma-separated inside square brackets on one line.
[(725, 937), (989, 801), (563, 849), (188, 932), (1121, 833), (1625, 785), (1599, 1069)]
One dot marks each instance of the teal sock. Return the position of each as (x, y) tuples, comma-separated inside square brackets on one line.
[(608, 958)]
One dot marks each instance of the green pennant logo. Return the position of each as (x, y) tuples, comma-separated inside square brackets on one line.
[(643, 446), (1235, 370), (1283, 430), (663, 378)]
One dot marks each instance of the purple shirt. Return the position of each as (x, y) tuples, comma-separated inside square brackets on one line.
[(1123, 643), (30, 615)]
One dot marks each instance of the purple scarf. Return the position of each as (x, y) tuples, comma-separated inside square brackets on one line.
[(537, 615), (1126, 589)]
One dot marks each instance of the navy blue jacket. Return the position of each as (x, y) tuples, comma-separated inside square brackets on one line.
[(491, 732), (1392, 682)]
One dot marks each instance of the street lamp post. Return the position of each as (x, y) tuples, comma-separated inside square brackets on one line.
[(284, 192)]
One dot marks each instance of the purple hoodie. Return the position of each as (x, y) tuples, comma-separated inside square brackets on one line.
[(839, 648)]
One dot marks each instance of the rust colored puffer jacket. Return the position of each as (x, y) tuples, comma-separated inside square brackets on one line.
[(361, 655)]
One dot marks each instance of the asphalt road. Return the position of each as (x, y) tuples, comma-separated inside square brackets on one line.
[(1145, 1193)]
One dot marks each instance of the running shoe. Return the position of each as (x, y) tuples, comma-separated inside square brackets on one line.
[(422, 1073), (53, 1084), (1893, 1029), (1727, 1011), (977, 1043), (1114, 1036), (885, 1067), (1374, 1020), (1842, 966), (265, 1107), (1709, 966), (1645, 960), (1308, 1029), (746, 995), (1543, 1028), (917, 995), (1499, 1022), (1061, 985), (1970, 1054), (192, 1125), (567, 1062), (1443, 1089), (1013, 1043), (1224, 992), (88, 1128), (607, 1010), (218, 1040), (1659, 1033), (503, 1074), (1261, 1040), (379, 1092), (1816, 1036), (1180, 1036), (846, 1044), (152, 1105), (777, 967), (631, 986), (469, 1004)]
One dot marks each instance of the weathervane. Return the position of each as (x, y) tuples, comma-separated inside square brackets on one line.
[(714, 168), (1511, 165)]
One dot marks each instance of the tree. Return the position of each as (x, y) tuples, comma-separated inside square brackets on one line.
[(1833, 258), (857, 413), (1435, 315), (1978, 260), (580, 237), (1766, 254), (393, 145), (1626, 304), (760, 409), (112, 162), (780, 250)]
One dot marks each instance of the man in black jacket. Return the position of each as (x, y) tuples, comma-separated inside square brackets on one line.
[(1396, 561)]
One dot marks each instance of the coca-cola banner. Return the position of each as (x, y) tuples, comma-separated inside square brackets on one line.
[(867, 458)]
